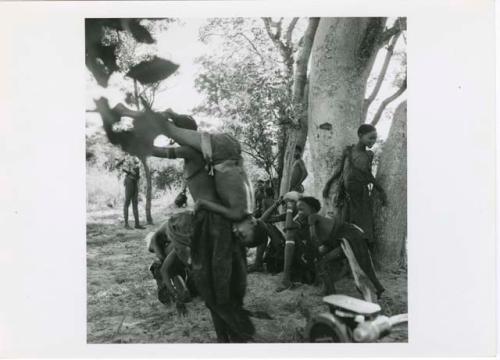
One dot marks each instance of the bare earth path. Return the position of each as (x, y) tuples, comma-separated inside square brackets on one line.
[(122, 306)]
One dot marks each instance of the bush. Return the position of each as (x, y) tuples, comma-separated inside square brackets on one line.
[(167, 177), (104, 188)]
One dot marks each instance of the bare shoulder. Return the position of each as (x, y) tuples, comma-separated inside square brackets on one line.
[(347, 150)]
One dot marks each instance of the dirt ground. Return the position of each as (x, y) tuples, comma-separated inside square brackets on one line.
[(122, 306)]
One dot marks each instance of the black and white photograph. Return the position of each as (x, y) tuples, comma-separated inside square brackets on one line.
[(246, 180), (249, 179)]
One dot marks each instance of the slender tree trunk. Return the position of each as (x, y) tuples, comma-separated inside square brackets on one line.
[(147, 174), (342, 57), (390, 220), (144, 161), (297, 134), (136, 96)]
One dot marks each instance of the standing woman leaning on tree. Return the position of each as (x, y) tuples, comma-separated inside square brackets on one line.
[(353, 197)]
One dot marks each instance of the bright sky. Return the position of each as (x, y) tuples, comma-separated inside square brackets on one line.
[(180, 44)]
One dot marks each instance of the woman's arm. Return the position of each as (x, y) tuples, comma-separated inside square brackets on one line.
[(182, 136), (277, 218), (303, 171), (375, 183), (179, 152), (267, 214)]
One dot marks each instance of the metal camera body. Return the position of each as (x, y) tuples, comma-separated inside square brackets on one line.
[(350, 320)]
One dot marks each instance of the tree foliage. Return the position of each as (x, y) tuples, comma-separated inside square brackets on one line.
[(248, 86)]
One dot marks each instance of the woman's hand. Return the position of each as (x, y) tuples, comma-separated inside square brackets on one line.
[(199, 205)]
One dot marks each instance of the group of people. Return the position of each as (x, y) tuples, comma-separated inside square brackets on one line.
[(203, 252)]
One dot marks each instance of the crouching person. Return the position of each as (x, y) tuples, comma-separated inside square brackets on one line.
[(335, 241), (171, 243)]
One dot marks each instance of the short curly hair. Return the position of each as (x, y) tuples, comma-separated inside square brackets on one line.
[(312, 202)]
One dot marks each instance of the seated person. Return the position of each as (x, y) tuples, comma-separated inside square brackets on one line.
[(334, 240), (267, 217), (297, 252)]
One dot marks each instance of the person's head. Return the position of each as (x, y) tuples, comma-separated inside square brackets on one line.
[(367, 135), (185, 122), (260, 184), (308, 205), (257, 236), (181, 121), (298, 152), (269, 192), (245, 229)]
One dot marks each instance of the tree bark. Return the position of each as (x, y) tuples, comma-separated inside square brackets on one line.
[(343, 54), (297, 133), (391, 220), (147, 174)]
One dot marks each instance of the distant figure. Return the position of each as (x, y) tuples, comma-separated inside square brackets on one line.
[(130, 167), (259, 197), (353, 198), (299, 171), (266, 203)]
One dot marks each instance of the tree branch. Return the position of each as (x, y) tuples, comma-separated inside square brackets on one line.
[(267, 25), (387, 101), (278, 27), (381, 76), (252, 45), (250, 42), (285, 51), (289, 31), (398, 27)]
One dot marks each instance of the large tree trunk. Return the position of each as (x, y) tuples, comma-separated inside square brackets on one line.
[(149, 185), (390, 220), (296, 134), (343, 54)]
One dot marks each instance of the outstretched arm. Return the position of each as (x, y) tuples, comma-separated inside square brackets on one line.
[(180, 135), (267, 214), (179, 152)]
